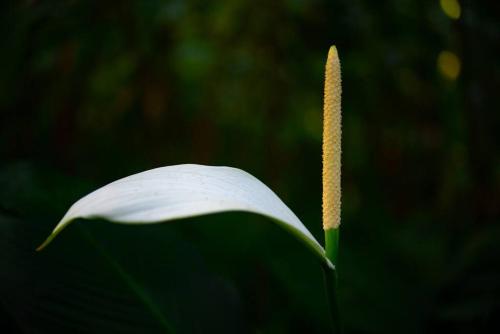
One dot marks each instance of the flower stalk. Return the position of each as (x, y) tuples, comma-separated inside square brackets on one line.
[(332, 150)]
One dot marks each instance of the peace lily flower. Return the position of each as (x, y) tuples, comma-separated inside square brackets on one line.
[(180, 191)]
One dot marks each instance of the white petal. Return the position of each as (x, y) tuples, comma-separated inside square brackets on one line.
[(182, 191)]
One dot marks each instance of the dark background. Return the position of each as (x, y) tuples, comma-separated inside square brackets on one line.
[(92, 91)]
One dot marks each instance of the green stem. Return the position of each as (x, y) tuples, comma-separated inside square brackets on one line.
[(331, 243)]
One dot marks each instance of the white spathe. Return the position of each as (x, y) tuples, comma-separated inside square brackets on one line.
[(181, 191)]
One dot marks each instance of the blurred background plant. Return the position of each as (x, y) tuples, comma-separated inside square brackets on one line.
[(91, 91)]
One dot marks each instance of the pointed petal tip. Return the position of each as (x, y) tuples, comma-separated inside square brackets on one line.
[(44, 244), (52, 235)]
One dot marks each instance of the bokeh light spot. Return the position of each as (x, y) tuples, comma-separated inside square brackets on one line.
[(451, 8), (449, 65)]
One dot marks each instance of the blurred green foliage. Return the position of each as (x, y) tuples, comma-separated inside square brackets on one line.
[(91, 91)]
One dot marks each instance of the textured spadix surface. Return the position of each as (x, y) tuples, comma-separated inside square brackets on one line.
[(181, 191)]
